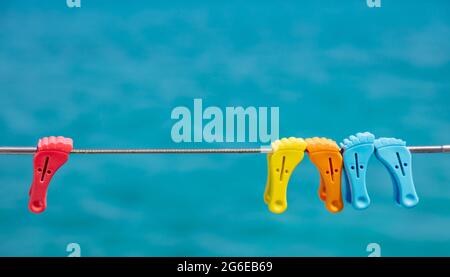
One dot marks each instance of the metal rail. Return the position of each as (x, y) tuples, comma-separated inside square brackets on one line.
[(264, 149)]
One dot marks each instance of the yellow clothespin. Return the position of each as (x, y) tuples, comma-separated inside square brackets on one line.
[(286, 154), (326, 156)]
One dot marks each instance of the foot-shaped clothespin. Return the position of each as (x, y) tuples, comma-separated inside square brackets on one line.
[(396, 157), (51, 154), (326, 156), (357, 151), (286, 155)]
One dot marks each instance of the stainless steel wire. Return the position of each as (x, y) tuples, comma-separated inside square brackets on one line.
[(263, 149)]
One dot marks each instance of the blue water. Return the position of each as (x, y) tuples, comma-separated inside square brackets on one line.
[(109, 74)]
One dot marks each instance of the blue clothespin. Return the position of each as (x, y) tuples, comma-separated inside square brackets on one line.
[(357, 151), (396, 157)]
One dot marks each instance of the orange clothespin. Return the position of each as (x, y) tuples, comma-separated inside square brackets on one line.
[(326, 156)]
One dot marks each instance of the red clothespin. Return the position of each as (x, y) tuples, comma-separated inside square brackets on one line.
[(51, 154)]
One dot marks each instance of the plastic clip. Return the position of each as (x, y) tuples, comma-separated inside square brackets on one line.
[(357, 151), (286, 155), (396, 157), (51, 154), (326, 156)]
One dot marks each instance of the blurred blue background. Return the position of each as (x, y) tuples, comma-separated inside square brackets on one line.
[(108, 74)]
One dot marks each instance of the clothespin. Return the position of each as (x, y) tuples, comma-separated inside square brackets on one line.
[(326, 156), (286, 154), (357, 151), (396, 157), (393, 154), (51, 154)]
